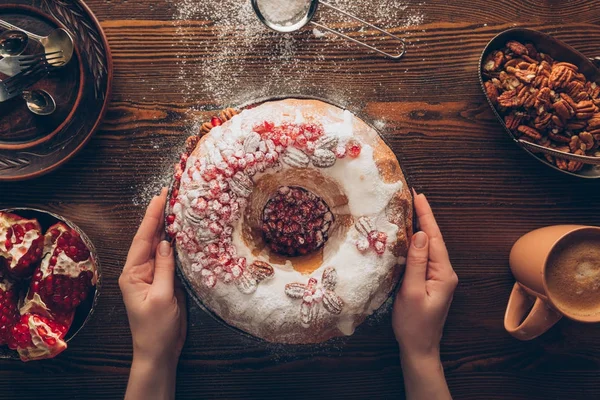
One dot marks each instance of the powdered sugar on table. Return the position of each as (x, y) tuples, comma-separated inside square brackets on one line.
[(217, 70)]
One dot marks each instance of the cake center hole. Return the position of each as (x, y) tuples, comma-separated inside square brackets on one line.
[(296, 222)]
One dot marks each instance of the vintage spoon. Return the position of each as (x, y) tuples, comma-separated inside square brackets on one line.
[(13, 43), (39, 102), (58, 40)]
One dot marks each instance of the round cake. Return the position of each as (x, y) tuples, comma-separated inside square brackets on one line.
[(291, 220)]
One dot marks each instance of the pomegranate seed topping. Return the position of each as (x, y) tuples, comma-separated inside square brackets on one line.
[(183, 161), (228, 172), (213, 249), (353, 148), (294, 221), (215, 121), (201, 205), (232, 162), (301, 140), (379, 247), (372, 237), (210, 173), (215, 228), (170, 219), (259, 156), (340, 152), (250, 160)]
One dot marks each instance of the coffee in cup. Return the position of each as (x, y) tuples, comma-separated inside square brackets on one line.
[(557, 271), (573, 274)]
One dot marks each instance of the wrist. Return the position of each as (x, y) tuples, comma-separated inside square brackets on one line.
[(151, 378), (155, 358), (421, 363)]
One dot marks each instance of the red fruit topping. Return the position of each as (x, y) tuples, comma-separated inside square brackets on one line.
[(66, 274), (301, 140), (21, 244), (9, 309), (296, 221), (183, 162), (36, 337), (170, 218), (215, 121), (265, 127), (340, 152), (353, 148)]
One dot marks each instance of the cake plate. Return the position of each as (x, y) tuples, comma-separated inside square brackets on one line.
[(188, 286)]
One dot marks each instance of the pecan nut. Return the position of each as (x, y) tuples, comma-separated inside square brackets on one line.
[(529, 131), (517, 48)]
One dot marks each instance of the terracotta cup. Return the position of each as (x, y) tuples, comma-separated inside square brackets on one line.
[(528, 260)]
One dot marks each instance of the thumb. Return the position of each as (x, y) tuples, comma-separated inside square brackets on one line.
[(416, 262), (164, 269)]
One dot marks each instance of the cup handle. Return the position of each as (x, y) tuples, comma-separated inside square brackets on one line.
[(526, 325)]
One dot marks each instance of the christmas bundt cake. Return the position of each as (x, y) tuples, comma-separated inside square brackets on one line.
[(291, 220)]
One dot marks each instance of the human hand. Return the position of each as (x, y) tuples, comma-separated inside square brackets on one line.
[(421, 306), (155, 302)]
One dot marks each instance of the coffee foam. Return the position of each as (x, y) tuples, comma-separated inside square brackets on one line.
[(573, 274)]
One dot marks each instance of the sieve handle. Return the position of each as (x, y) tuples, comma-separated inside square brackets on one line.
[(362, 21)]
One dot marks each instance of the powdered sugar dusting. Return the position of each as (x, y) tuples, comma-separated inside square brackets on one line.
[(221, 76)]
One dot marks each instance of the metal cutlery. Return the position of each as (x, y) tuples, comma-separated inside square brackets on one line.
[(13, 65), (58, 40), (14, 85), (39, 102), (13, 43)]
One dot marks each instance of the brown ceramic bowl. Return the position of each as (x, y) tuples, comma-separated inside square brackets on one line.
[(558, 50), (32, 145), (85, 310)]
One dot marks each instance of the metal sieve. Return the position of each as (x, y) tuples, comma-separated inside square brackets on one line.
[(301, 20)]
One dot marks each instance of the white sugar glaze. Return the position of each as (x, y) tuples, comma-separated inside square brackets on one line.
[(365, 279)]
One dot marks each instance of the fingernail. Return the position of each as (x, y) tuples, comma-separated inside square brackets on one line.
[(420, 240), (164, 248), (414, 192)]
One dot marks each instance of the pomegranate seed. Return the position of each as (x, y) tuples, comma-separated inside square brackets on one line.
[(292, 221), (340, 152), (353, 149), (301, 140), (215, 121), (250, 160)]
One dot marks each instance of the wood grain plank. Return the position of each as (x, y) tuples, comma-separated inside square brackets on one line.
[(486, 193)]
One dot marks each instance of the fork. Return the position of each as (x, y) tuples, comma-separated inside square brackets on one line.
[(13, 65), (13, 86)]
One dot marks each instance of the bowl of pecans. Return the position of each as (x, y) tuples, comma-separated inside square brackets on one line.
[(546, 94)]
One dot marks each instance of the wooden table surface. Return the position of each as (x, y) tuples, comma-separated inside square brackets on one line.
[(485, 191)]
